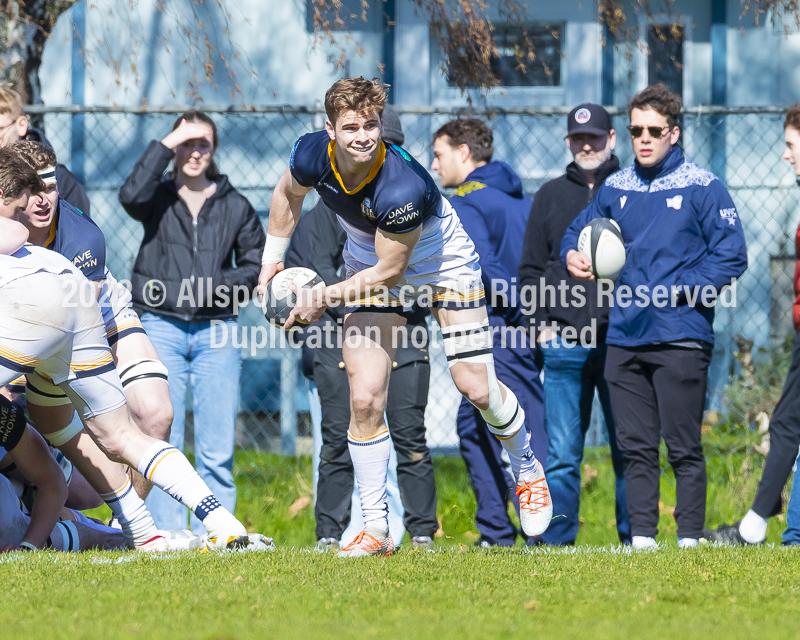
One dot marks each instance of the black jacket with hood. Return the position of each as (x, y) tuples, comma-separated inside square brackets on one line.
[(555, 206), (69, 187), (182, 258)]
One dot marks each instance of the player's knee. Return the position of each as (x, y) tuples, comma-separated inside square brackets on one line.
[(365, 402), (475, 390), (113, 433), (367, 397), (155, 420)]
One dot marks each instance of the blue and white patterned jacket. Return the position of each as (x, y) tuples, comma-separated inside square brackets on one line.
[(681, 229)]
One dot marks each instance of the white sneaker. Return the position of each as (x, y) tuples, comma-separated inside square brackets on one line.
[(687, 543), (370, 542), (326, 544), (224, 530), (249, 543), (257, 542), (154, 544), (423, 543), (643, 542), (182, 539), (535, 505)]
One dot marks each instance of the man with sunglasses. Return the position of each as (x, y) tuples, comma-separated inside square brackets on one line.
[(684, 243)]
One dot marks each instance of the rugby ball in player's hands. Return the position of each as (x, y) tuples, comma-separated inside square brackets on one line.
[(279, 299), (601, 240)]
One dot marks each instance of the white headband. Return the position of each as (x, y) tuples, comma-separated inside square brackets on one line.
[(48, 175)]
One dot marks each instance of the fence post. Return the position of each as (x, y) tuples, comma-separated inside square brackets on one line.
[(288, 401), (77, 153)]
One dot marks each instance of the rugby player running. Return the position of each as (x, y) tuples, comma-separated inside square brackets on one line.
[(403, 239)]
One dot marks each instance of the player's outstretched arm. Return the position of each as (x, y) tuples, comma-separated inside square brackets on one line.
[(34, 461), (284, 212)]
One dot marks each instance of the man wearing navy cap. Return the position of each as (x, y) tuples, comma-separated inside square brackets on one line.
[(572, 369)]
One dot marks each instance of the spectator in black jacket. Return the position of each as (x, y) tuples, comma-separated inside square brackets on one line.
[(14, 126), (572, 372), (317, 243), (185, 285)]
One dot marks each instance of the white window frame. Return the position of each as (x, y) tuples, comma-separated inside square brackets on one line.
[(443, 95)]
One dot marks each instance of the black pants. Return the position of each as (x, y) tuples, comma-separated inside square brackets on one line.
[(784, 440), (405, 411), (660, 390)]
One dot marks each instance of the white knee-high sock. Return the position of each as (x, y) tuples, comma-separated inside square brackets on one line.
[(169, 470), (508, 426), (134, 518), (370, 458)]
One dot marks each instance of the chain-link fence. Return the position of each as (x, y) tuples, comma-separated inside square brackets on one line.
[(742, 146)]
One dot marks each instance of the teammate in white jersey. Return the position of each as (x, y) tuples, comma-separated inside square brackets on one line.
[(57, 225), (402, 237), (49, 324)]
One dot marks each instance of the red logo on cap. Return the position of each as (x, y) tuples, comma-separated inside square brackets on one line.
[(583, 116)]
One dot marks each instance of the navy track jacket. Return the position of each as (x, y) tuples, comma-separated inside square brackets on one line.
[(681, 228), (494, 211)]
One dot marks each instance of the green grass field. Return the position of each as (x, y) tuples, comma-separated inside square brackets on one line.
[(595, 590), (456, 593)]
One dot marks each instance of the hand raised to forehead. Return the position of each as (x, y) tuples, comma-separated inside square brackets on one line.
[(188, 131)]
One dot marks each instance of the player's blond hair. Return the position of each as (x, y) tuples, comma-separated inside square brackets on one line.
[(10, 101), (355, 94), (35, 154)]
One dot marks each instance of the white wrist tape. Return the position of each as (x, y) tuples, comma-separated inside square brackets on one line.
[(274, 249)]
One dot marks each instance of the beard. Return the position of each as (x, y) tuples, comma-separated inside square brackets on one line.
[(594, 164)]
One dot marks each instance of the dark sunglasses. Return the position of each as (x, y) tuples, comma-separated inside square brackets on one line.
[(655, 132)]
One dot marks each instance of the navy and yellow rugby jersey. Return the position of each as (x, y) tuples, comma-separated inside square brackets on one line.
[(396, 196), (76, 237)]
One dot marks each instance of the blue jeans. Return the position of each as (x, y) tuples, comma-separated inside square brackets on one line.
[(186, 349), (571, 375), (791, 536)]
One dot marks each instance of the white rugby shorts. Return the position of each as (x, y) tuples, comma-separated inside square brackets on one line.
[(443, 271), (118, 315), (51, 325)]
